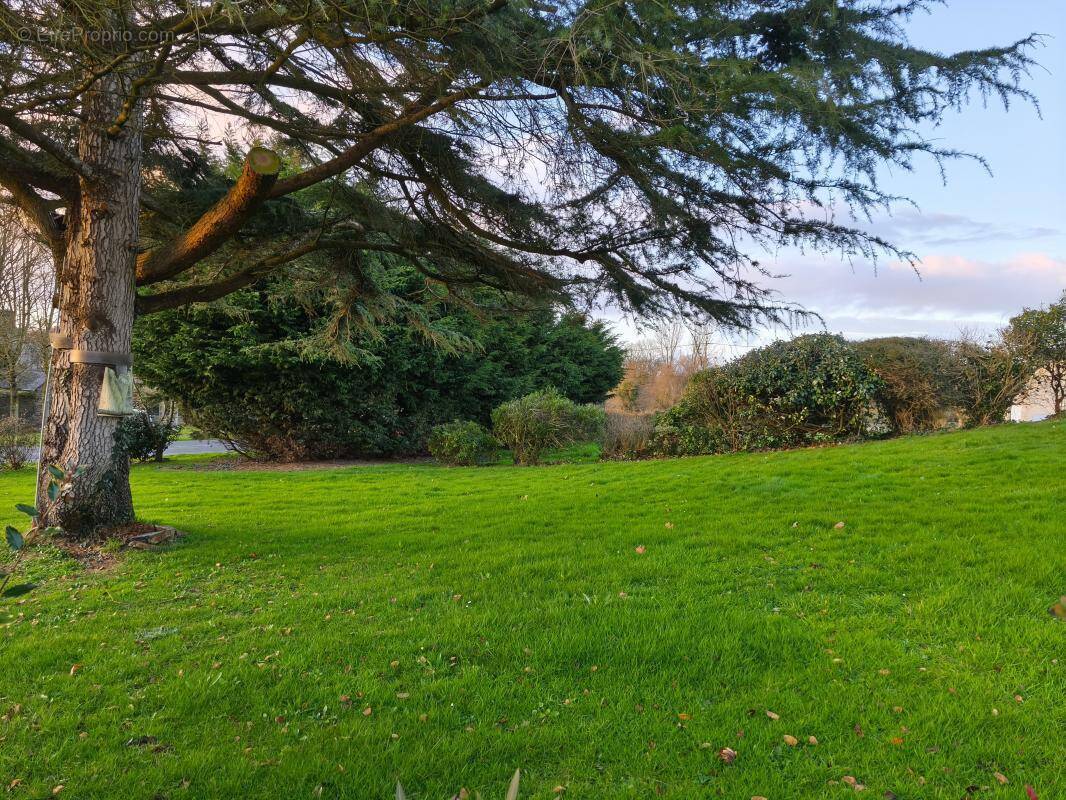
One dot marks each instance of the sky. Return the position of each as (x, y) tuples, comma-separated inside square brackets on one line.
[(989, 244)]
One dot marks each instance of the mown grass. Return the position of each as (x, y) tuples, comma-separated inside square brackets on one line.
[(321, 633)]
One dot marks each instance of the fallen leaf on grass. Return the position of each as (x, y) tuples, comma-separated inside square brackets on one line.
[(853, 783), (999, 776), (791, 741), (1059, 608), (75, 668), (728, 755), (640, 549), (839, 525), (772, 715), (1030, 792)]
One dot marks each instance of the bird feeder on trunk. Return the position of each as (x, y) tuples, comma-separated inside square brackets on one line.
[(116, 388)]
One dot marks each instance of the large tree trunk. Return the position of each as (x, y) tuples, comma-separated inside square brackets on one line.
[(96, 298)]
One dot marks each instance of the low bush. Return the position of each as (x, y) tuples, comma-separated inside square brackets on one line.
[(462, 444), (144, 438), (808, 390), (531, 424), (591, 423), (629, 437), (919, 391), (17, 440), (989, 376)]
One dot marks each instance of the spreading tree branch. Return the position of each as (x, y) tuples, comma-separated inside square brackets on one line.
[(218, 224), (370, 142), (206, 292), (37, 209), (32, 134)]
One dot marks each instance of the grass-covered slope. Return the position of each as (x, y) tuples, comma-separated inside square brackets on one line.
[(321, 633)]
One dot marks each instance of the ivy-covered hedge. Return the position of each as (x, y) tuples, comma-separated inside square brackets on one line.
[(920, 381), (241, 375), (808, 390)]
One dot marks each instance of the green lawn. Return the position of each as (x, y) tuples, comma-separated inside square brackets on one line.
[(321, 633)]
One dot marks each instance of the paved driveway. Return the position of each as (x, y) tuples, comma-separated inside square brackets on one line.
[(190, 447), (195, 447)]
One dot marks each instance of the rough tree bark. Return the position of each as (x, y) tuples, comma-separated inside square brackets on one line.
[(96, 306)]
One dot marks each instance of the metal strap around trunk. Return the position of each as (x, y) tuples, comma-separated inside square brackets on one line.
[(107, 357)]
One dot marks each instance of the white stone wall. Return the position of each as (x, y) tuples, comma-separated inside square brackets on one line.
[(1037, 403)]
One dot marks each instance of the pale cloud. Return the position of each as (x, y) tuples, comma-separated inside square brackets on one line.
[(910, 228), (944, 293)]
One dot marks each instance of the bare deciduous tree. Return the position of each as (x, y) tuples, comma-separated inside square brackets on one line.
[(26, 288)]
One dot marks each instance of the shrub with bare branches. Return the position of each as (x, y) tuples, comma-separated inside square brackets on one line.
[(990, 376), (17, 440), (629, 436)]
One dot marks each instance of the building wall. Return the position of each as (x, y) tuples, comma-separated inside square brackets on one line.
[(1038, 401)]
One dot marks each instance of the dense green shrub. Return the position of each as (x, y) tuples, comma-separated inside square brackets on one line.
[(144, 438), (531, 424), (462, 444), (679, 432), (919, 380), (243, 374), (807, 390)]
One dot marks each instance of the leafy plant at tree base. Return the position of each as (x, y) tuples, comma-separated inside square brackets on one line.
[(144, 438), (462, 444), (512, 789), (59, 484), (542, 420)]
